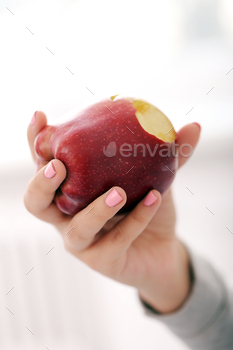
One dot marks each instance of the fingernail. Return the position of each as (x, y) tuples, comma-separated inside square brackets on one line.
[(33, 120), (198, 125), (150, 199), (49, 171), (113, 199)]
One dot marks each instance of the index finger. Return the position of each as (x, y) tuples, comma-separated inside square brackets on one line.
[(38, 122)]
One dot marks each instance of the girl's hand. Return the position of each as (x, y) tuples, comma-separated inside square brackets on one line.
[(139, 249)]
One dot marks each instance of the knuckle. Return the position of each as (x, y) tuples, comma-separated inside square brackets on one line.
[(74, 236), (139, 219), (70, 246), (27, 198), (100, 216), (70, 240), (119, 234), (36, 184), (39, 185)]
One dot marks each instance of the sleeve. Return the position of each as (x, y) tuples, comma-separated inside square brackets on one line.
[(205, 320)]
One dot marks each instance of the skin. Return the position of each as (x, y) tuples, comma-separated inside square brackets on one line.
[(139, 249)]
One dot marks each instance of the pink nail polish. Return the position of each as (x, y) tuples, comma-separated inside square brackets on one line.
[(49, 171), (150, 199), (113, 199), (198, 125), (33, 120)]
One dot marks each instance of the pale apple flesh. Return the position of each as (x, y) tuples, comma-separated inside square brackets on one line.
[(154, 121), (79, 144)]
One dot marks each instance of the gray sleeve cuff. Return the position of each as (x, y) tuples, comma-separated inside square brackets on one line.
[(207, 311)]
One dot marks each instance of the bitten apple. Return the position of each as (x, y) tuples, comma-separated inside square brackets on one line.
[(120, 141)]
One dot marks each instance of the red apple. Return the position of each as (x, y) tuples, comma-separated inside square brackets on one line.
[(120, 141)]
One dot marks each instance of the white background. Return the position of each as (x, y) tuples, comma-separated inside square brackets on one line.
[(171, 53)]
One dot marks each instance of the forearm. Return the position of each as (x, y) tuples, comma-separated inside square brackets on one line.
[(175, 284), (205, 320)]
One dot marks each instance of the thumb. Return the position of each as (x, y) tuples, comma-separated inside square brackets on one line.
[(187, 139)]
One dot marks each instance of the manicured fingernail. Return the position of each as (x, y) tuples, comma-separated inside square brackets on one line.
[(198, 125), (49, 171), (113, 199), (33, 119), (150, 199)]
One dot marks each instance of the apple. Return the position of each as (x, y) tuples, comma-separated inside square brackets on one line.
[(119, 141)]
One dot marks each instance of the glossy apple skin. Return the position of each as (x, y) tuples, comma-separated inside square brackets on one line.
[(79, 144)]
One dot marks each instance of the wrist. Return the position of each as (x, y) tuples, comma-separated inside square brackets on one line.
[(170, 292)]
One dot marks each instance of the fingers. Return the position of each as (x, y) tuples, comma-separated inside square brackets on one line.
[(88, 222), (41, 190), (187, 138), (120, 238), (37, 123)]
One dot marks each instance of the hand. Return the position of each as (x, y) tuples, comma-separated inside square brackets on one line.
[(139, 249)]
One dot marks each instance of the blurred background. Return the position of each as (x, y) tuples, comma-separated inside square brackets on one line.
[(176, 54)]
